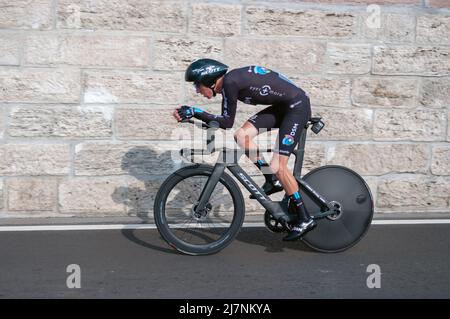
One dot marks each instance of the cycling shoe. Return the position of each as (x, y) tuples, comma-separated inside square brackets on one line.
[(300, 230)]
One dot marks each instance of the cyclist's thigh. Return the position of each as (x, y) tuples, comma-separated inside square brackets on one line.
[(267, 119), (295, 117)]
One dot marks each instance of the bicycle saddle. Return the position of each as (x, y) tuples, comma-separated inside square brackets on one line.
[(315, 120), (317, 124)]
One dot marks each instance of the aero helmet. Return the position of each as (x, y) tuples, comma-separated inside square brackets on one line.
[(205, 71)]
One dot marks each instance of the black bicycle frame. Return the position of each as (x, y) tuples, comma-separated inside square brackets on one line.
[(228, 158)]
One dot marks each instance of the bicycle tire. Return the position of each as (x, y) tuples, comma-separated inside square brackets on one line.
[(168, 234), (341, 184)]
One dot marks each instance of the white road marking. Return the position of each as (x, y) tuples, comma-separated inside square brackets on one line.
[(152, 226), (410, 221)]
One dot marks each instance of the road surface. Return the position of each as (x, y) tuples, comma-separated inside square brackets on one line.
[(414, 261)]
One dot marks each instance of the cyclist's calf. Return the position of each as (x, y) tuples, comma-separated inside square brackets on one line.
[(279, 166)]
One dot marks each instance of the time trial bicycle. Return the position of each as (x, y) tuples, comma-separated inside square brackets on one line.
[(199, 209)]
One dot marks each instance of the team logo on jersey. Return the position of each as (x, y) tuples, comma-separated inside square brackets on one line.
[(261, 70), (294, 129), (288, 140), (265, 90)]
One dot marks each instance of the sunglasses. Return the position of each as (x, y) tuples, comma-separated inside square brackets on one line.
[(197, 85)]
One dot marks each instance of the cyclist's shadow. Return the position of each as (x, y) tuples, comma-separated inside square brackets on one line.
[(139, 162), (144, 164)]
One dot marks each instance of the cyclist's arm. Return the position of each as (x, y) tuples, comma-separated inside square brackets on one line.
[(229, 104)]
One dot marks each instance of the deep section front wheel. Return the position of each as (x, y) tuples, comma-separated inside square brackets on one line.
[(192, 232), (353, 201)]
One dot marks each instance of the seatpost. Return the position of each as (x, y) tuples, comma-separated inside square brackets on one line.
[(299, 154)]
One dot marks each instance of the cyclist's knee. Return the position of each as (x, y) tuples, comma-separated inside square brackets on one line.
[(241, 136), (275, 166)]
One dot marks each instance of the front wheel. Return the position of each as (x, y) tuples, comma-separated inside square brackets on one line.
[(196, 233), (348, 191)]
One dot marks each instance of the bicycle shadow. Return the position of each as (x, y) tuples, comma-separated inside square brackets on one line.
[(262, 236), (139, 162), (272, 242)]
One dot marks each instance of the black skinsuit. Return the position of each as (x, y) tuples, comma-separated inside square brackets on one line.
[(289, 108)]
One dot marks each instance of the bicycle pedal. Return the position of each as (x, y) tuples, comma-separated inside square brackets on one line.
[(285, 224)]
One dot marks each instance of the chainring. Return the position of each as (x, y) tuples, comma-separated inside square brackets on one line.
[(272, 224)]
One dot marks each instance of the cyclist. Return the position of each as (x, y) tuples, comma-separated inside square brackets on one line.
[(289, 111)]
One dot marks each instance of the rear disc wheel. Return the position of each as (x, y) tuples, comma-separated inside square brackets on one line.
[(352, 201)]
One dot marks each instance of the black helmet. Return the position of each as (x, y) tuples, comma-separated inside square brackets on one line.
[(205, 71)]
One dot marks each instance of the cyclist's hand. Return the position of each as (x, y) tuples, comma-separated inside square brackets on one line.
[(176, 116), (185, 112)]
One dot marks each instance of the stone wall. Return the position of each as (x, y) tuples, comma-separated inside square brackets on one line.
[(87, 87)]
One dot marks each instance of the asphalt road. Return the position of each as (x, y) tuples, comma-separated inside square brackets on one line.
[(414, 261)]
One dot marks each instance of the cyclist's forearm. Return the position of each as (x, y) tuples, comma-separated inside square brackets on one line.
[(203, 115), (224, 121)]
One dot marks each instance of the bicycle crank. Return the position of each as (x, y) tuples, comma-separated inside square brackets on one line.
[(272, 224), (277, 225), (334, 211)]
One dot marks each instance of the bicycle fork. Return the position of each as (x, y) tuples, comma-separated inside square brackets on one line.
[(201, 207)]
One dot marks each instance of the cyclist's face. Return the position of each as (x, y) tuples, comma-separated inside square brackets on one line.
[(203, 90)]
